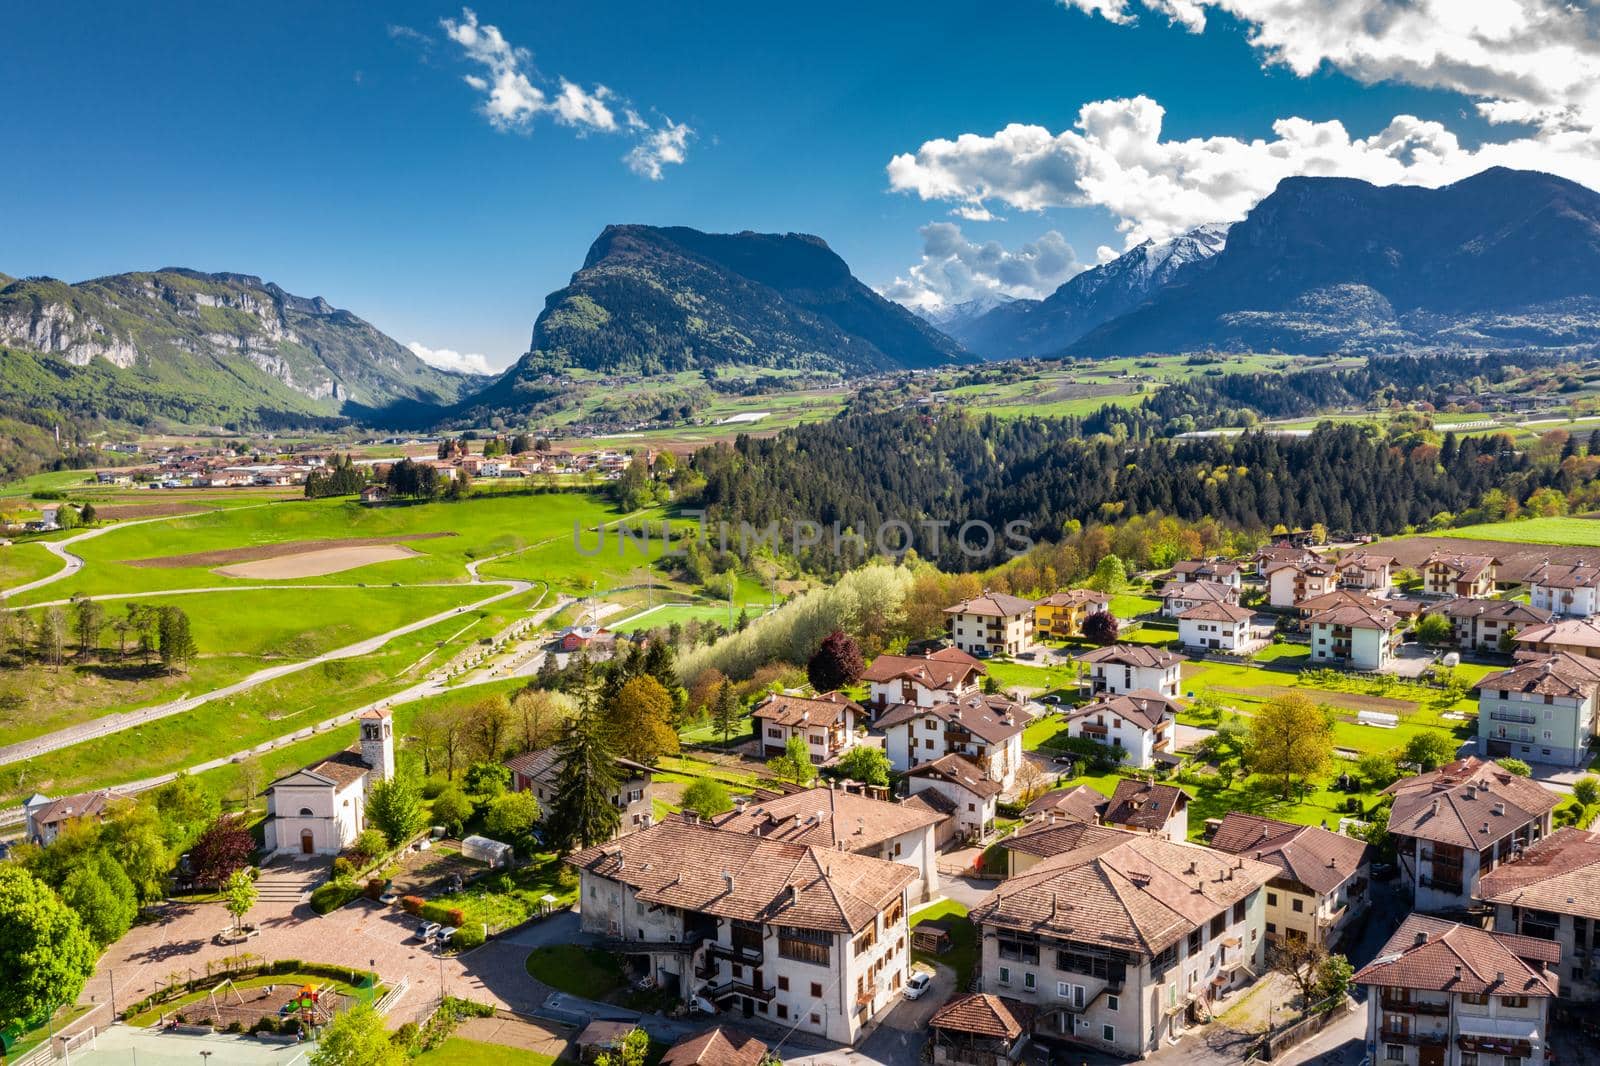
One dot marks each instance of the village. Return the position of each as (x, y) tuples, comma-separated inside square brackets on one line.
[(1009, 842)]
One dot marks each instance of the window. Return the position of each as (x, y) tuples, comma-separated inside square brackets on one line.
[(1272, 899), (1113, 1003), (1394, 1052), (1238, 911), (1514, 1001), (816, 1019), (1511, 1060), (774, 732), (783, 1011), (1272, 927), (1073, 994), (1029, 981), (816, 990), (1005, 975), (783, 983), (1218, 924), (1108, 1033), (1196, 939), (804, 945), (305, 812), (1012, 947), (1469, 1058), (1299, 906)]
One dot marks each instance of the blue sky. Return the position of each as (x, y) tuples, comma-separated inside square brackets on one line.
[(340, 151)]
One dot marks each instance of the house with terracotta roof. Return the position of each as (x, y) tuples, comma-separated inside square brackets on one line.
[(1542, 709), (1222, 627), (1481, 624), (994, 623), (44, 818), (1575, 636), (1183, 595), (978, 1029), (1080, 803), (539, 772), (1552, 892), (970, 795), (1122, 668), (1271, 555), (1367, 571), (1289, 582), (720, 1046), (826, 724), (1149, 807), (1460, 821), (923, 680), (1046, 837), (1141, 722), (1061, 614), (1572, 590), (986, 729), (1320, 893), (1446, 573), (1119, 941), (321, 809), (802, 936), (1402, 607), (1443, 994), (1361, 636), (846, 821), (1221, 571)]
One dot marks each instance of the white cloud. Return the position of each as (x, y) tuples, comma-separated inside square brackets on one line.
[(658, 148), (1531, 61), (1115, 158), (954, 269), (516, 96), (450, 359)]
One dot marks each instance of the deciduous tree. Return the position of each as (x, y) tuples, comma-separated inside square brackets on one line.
[(512, 818), (640, 720), (45, 953), (395, 807), (706, 797), (1430, 749), (1289, 736), (357, 1037), (240, 891), (794, 764), (225, 846), (867, 764), (836, 663), (1101, 627)]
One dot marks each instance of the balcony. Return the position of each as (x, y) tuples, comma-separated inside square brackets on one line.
[(1513, 716), (750, 955), (1399, 1036), (739, 988), (1391, 1005)]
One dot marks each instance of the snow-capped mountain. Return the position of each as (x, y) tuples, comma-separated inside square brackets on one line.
[(1087, 300), (951, 316)]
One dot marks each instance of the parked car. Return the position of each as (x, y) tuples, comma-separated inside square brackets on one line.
[(918, 983), (445, 934), (427, 930)]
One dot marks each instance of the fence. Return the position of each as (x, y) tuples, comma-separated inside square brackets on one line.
[(391, 997)]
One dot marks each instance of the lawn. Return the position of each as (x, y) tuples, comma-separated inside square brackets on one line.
[(503, 900), (1573, 532), (963, 954), (23, 562), (1132, 604), (587, 972), (459, 1051)]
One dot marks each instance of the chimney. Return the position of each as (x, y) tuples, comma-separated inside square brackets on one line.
[(1422, 938), (727, 880), (1485, 828), (1500, 810), (1458, 971), (1500, 978)]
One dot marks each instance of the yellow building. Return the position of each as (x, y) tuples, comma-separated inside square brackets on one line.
[(1062, 614)]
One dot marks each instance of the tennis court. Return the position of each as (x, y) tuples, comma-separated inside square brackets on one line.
[(125, 1045)]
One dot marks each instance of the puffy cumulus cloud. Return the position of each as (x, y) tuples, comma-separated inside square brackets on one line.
[(450, 359), (1115, 158), (515, 97), (954, 269), (666, 145), (1527, 61)]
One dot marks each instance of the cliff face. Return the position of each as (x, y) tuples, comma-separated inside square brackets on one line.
[(228, 338)]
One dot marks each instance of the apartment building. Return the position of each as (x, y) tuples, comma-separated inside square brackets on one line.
[(845, 821), (826, 724), (1541, 709), (966, 791), (1140, 722), (1362, 636), (1220, 571), (992, 624), (1455, 574), (1575, 636), (801, 936), (1217, 627), (986, 729), (1061, 614), (1566, 589), (1148, 807), (1480, 624), (1182, 596), (1291, 581), (1320, 893), (539, 771), (1443, 994), (1367, 572), (1118, 942), (1460, 821), (1552, 892), (921, 680), (1125, 668)]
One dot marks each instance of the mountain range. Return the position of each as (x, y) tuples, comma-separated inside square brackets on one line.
[(1503, 259), (204, 349)]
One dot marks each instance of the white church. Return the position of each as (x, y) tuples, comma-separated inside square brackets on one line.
[(321, 809)]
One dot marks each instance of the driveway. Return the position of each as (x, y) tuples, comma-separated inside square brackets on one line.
[(900, 1033)]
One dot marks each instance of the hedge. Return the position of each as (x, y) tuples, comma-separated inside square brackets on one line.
[(264, 969), (468, 937), (438, 912), (332, 895)]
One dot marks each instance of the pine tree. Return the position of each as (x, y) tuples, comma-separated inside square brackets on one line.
[(583, 813), (177, 642), (725, 712)]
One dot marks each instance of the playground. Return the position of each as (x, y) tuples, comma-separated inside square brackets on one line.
[(249, 1005)]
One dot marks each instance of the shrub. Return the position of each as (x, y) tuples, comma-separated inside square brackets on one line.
[(411, 904), (1515, 767), (1587, 789), (468, 937), (343, 869), (444, 915), (333, 895), (369, 845), (235, 1026), (267, 1024), (374, 887)]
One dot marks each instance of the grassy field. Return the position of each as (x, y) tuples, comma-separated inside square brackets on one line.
[(1573, 532), (25, 562), (587, 972), (682, 613), (459, 1051)]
